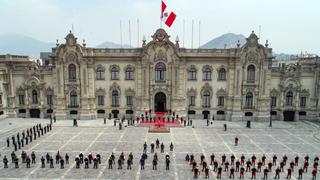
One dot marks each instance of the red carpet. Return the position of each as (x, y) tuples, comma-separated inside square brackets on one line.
[(162, 120)]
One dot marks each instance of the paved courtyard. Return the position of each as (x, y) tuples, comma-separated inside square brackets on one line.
[(290, 138)]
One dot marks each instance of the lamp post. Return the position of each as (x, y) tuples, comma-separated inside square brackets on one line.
[(270, 124)]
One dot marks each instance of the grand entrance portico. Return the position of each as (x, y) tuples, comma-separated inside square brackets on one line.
[(160, 101)]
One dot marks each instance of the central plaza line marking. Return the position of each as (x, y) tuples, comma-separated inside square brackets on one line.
[(107, 158), (306, 142), (257, 145), (204, 153), (279, 142), (32, 172), (139, 168), (174, 158), (84, 152), (42, 140)]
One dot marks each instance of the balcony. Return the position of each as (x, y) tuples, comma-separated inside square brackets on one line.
[(248, 107), (206, 106), (73, 106), (115, 105)]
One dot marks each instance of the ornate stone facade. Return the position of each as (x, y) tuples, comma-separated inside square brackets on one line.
[(230, 84)]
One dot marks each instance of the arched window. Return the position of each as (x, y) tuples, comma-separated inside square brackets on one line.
[(222, 74), (129, 73), (114, 73), (249, 100), (251, 72), (72, 73), (100, 73), (207, 74), (289, 98), (34, 97), (160, 72), (73, 99), (206, 99), (115, 98)]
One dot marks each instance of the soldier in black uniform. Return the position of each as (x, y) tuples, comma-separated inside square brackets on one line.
[(8, 142), (265, 173), (61, 163), (51, 162), (77, 162), (28, 161), (5, 162), (154, 164), (171, 147), (152, 147), (19, 144), (110, 162), (15, 146), (33, 157), (67, 158), (22, 142), (98, 158), (86, 162), (119, 163), (13, 156), (157, 143), (167, 162), (16, 162), (95, 163), (145, 147), (42, 162), (48, 158), (162, 147), (81, 157)]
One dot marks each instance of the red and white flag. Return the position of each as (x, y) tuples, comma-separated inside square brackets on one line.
[(167, 16)]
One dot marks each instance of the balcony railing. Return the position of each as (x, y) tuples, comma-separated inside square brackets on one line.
[(115, 105), (73, 106), (206, 106), (248, 107)]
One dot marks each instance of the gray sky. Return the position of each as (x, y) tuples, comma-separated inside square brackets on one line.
[(291, 26)]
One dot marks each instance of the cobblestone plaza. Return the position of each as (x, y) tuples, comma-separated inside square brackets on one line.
[(290, 138)]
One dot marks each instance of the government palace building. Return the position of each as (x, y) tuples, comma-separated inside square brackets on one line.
[(225, 84)]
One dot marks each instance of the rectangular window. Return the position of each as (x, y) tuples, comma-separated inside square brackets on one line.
[(129, 100), (207, 76), (115, 75), (303, 101), (100, 75), (21, 99), (192, 75), (192, 100), (206, 101), (273, 101), (49, 100), (221, 101), (100, 100), (129, 75)]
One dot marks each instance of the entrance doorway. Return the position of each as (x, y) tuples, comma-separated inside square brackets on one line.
[(288, 115), (34, 113), (206, 114), (115, 113), (160, 102)]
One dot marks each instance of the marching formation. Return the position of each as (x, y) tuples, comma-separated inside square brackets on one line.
[(89, 159), (28, 135), (252, 166)]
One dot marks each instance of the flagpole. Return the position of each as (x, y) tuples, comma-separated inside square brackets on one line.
[(184, 23), (138, 33), (129, 33), (120, 33), (199, 32), (160, 13), (192, 34)]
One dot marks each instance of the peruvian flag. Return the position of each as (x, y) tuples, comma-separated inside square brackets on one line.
[(167, 16)]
